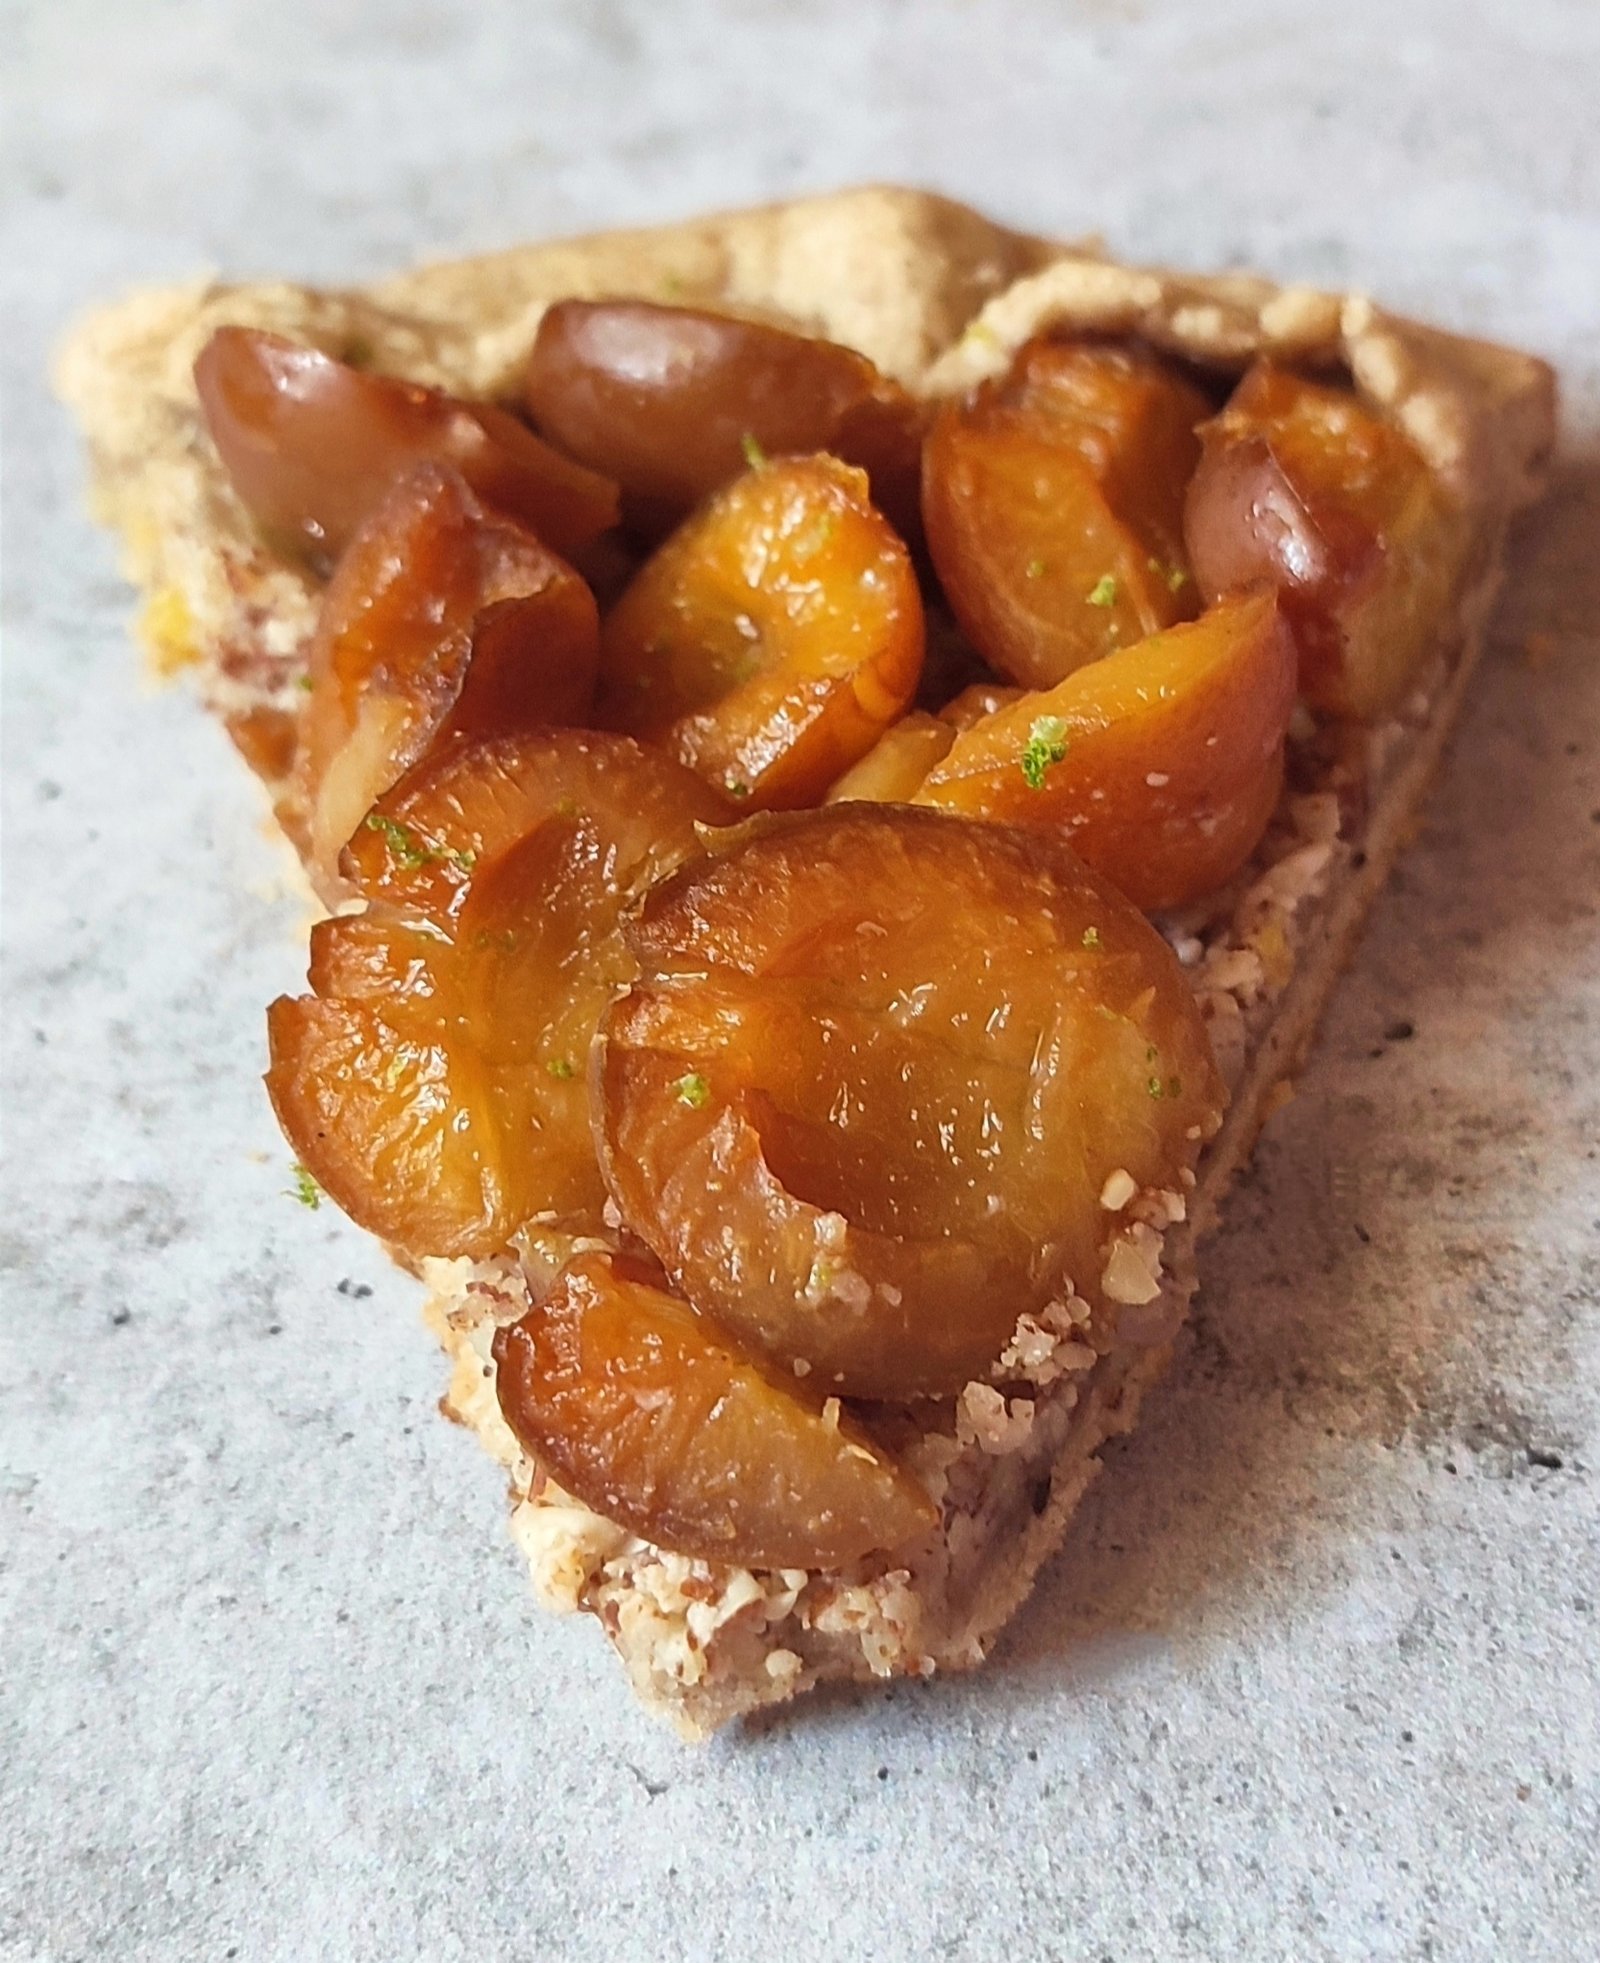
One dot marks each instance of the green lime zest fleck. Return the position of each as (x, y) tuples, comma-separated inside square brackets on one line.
[(404, 846), (692, 1090), (1104, 591), (1175, 576), (754, 455), (1046, 745), (1154, 1087), (561, 1067), (736, 787), (407, 850), (1091, 937), (1035, 569), (305, 682), (305, 1188)]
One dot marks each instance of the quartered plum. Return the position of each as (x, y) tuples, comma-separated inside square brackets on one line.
[(312, 444), (441, 621), (893, 769), (773, 638), (646, 1412), (1303, 488), (879, 1064), (669, 401), (435, 1080), (1161, 764), (1053, 501)]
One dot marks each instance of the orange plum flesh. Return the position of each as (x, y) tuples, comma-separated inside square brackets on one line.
[(1053, 500), (1161, 765), (434, 1081), (646, 1412), (878, 1066), (774, 637)]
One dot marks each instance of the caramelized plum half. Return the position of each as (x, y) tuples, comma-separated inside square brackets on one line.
[(773, 638), (434, 1082), (1130, 416), (650, 1415), (1053, 503), (312, 444), (1161, 764), (440, 621), (893, 769), (669, 400), (1304, 489), (880, 1062)]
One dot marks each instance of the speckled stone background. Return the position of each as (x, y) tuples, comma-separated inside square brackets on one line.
[(1316, 1674)]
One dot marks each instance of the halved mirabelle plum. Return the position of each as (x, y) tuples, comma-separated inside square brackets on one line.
[(895, 766), (669, 400), (1161, 764), (1133, 420), (880, 1062), (441, 621), (1303, 488), (649, 1414), (1053, 502), (773, 638), (435, 1081), (312, 444)]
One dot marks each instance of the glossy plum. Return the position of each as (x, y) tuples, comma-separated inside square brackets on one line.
[(1305, 489), (671, 402), (434, 1081), (648, 1413), (441, 621), (880, 1061), (774, 637), (1053, 501), (312, 444), (1161, 764)]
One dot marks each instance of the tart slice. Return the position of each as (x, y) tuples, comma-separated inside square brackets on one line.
[(845, 746)]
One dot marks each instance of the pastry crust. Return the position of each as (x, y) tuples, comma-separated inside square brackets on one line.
[(939, 297)]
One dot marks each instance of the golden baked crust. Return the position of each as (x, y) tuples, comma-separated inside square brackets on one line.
[(939, 297)]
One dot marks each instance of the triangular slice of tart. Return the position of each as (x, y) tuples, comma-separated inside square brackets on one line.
[(844, 747)]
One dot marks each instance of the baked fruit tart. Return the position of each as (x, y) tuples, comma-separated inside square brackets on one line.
[(841, 748)]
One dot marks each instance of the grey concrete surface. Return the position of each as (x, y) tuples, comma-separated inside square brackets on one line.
[(1316, 1675)]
